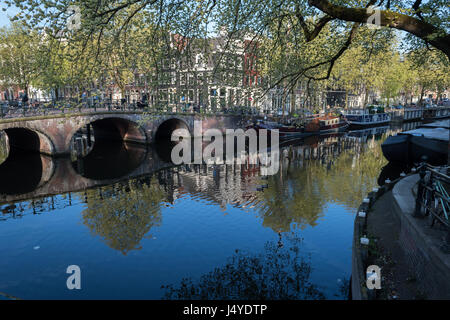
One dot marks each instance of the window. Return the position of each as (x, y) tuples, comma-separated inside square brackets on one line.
[(213, 92), (166, 63), (191, 80), (183, 96), (163, 95)]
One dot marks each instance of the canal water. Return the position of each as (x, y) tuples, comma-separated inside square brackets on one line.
[(141, 228)]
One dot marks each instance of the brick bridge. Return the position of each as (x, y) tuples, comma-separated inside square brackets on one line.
[(52, 134)]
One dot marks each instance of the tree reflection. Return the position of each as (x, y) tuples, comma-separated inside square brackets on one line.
[(123, 214), (294, 197), (298, 194), (279, 272)]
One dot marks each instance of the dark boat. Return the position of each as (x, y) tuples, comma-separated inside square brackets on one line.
[(395, 148), (285, 131), (315, 126), (430, 140)]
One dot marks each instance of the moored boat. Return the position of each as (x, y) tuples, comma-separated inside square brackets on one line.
[(326, 124), (431, 141), (367, 117)]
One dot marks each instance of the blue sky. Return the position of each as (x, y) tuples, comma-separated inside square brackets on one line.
[(4, 20)]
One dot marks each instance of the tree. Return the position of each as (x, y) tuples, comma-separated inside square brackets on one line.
[(19, 50), (431, 71), (427, 21), (363, 68), (287, 24)]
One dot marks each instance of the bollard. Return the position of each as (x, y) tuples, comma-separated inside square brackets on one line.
[(420, 191)]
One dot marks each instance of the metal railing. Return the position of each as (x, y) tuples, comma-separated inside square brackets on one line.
[(433, 200), (53, 108)]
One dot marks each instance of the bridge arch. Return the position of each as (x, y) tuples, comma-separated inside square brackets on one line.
[(28, 139), (112, 128), (164, 130)]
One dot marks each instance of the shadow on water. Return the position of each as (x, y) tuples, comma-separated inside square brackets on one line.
[(280, 272), (392, 171), (110, 160), (164, 150), (21, 172)]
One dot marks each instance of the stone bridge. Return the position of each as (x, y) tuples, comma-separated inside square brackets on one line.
[(52, 134)]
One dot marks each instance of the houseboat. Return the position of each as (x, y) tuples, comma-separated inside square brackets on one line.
[(434, 113), (430, 140), (371, 116), (284, 131), (326, 124)]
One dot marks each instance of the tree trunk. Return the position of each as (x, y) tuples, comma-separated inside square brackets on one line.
[(436, 36)]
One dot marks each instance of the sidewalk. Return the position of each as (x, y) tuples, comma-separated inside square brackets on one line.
[(406, 248)]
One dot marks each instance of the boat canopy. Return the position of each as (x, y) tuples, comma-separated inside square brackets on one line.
[(438, 124), (431, 133)]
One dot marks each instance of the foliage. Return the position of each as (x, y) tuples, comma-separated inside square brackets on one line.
[(298, 40), (19, 46), (280, 272)]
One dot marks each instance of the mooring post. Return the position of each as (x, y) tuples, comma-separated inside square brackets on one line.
[(89, 135), (420, 190)]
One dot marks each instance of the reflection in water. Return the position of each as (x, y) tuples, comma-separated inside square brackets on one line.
[(334, 169), (123, 214), (21, 172), (110, 160), (280, 272), (192, 209)]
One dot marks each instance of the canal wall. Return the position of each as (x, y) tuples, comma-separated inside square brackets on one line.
[(361, 242), (385, 229), (4, 147)]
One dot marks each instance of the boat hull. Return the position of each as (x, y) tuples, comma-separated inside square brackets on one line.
[(340, 128), (410, 149), (436, 151), (396, 148), (359, 124)]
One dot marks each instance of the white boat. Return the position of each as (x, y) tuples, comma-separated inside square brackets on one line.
[(363, 117)]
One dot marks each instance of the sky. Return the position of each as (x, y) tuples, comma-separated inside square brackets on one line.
[(4, 20)]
